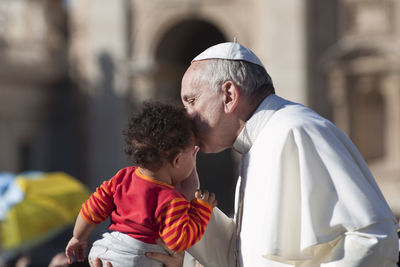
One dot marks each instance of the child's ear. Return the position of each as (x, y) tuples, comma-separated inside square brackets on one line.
[(176, 160)]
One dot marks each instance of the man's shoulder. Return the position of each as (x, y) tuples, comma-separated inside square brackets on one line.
[(295, 115), (297, 119)]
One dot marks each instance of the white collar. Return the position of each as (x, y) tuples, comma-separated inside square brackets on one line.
[(256, 123)]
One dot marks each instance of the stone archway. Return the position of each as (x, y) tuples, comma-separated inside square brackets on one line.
[(177, 47), (173, 54)]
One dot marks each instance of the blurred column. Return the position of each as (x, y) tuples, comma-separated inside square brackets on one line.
[(99, 55), (285, 24), (32, 60), (391, 90), (338, 96)]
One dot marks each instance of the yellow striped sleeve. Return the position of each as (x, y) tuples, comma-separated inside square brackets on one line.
[(182, 224), (100, 204)]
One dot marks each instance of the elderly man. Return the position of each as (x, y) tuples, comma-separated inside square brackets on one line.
[(305, 196)]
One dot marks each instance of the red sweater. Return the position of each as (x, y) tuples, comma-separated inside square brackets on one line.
[(146, 209)]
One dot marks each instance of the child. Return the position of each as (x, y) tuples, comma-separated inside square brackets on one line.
[(142, 201)]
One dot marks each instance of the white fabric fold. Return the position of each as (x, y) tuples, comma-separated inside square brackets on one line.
[(305, 184)]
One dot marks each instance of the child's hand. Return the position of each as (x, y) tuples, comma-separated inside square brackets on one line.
[(207, 197), (77, 248)]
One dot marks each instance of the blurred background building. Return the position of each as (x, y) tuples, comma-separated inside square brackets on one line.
[(72, 71)]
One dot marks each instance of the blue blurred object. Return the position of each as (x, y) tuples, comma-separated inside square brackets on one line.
[(10, 193), (36, 206)]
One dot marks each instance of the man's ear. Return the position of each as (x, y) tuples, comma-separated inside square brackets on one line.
[(231, 96)]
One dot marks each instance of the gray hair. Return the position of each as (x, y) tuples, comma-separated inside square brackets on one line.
[(251, 78)]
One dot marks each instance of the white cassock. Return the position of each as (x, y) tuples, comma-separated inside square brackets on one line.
[(305, 198)]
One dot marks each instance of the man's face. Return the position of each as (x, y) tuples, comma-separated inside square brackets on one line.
[(205, 105)]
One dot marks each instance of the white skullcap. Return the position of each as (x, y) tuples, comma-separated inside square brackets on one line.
[(231, 51)]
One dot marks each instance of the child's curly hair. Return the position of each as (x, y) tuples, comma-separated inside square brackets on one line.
[(157, 133)]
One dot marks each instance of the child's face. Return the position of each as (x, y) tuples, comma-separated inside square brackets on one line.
[(188, 161)]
